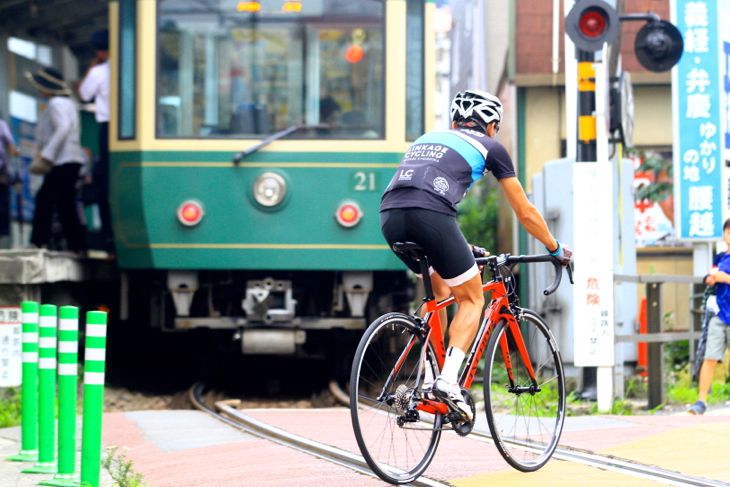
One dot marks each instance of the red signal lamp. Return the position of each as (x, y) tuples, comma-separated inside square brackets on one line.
[(190, 213), (348, 214), (593, 23)]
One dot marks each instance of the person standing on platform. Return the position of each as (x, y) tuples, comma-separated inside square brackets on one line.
[(60, 158), (95, 87), (718, 329), (7, 178)]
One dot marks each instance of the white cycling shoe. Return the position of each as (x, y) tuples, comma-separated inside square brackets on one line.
[(452, 394)]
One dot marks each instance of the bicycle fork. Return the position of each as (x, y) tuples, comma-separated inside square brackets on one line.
[(524, 355)]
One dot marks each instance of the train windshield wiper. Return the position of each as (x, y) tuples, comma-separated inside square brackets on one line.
[(272, 138)]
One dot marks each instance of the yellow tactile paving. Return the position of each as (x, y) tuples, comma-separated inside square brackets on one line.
[(700, 450), (555, 473), (693, 450)]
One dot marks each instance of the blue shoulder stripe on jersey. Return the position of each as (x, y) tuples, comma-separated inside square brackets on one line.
[(473, 157)]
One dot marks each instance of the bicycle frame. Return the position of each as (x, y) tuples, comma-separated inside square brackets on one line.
[(497, 310)]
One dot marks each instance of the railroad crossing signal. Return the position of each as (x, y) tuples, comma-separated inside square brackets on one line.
[(658, 46), (590, 23)]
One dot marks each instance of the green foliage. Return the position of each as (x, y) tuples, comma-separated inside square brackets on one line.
[(661, 168), (635, 387), (10, 407), (682, 391), (622, 408), (478, 217), (121, 469), (544, 403), (676, 354)]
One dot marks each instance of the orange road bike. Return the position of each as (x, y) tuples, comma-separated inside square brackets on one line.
[(398, 423)]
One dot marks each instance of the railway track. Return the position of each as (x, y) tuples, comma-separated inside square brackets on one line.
[(226, 411)]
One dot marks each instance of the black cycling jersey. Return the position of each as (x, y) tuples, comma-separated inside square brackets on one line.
[(439, 168)]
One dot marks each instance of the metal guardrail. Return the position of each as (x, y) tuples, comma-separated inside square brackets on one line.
[(655, 337)]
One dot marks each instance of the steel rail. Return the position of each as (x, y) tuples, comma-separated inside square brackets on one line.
[(233, 417), (225, 412)]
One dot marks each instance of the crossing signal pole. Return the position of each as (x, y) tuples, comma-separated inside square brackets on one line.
[(592, 25)]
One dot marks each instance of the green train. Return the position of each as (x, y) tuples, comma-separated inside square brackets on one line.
[(250, 144)]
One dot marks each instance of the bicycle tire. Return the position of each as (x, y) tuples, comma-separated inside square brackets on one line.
[(525, 425), (375, 422)]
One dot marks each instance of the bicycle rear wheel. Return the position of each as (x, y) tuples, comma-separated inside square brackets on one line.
[(525, 418), (397, 440)]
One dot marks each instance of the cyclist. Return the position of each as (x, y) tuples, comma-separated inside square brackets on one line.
[(419, 205)]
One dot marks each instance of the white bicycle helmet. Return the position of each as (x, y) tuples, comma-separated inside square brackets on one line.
[(476, 105)]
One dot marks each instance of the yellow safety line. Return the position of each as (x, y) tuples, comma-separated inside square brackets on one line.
[(264, 164), (241, 246)]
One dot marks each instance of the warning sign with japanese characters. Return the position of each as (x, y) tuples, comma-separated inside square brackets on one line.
[(11, 343), (593, 290), (698, 123)]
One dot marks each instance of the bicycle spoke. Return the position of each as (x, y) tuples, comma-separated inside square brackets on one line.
[(525, 423), (387, 370)]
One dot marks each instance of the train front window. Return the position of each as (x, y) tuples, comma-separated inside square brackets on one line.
[(249, 69)]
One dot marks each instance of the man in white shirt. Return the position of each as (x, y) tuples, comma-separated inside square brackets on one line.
[(59, 147), (95, 87)]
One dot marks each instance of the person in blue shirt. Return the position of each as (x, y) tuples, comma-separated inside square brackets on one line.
[(718, 332)]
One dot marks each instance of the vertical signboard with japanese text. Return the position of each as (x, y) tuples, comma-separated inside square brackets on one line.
[(10, 347), (593, 330), (698, 123)]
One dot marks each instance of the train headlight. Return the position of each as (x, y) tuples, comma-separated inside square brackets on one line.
[(190, 212), (269, 189), (348, 214)]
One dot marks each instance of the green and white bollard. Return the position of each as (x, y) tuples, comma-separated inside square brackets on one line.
[(29, 388), (68, 369), (46, 392), (94, 367)]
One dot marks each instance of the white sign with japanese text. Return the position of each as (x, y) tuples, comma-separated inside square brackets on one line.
[(11, 338), (593, 290)]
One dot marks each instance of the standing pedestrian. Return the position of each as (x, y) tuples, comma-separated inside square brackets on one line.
[(95, 87), (718, 328), (60, 158), (7, 178)]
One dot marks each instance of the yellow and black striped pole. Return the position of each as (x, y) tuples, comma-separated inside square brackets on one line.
[(586, 108)]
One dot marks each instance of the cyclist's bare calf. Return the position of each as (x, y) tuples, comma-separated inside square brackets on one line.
[(441, 291), (470, 299), (470, 302)]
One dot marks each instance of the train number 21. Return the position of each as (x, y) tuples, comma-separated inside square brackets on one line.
[(364, 181)]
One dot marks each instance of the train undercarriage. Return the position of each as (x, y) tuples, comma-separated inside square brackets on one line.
[(304, 314)]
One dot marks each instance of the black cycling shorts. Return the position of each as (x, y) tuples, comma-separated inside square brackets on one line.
[(446, 248)]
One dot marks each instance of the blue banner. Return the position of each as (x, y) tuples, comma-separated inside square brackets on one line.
[(698, 149), (726, 82)]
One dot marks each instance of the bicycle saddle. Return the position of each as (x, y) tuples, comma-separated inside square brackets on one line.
[(411, 249)]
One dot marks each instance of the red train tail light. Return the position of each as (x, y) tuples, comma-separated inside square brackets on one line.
[(190, 212), (348, 214)]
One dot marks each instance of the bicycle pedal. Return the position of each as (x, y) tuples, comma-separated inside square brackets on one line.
[(465, 426)]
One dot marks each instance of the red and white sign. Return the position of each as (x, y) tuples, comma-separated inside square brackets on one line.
[(11, 343)]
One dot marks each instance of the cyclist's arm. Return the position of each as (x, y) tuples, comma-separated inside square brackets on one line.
[(526, 212)]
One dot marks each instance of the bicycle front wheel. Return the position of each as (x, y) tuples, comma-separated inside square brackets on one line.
[(397, 440), (525, 417)]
